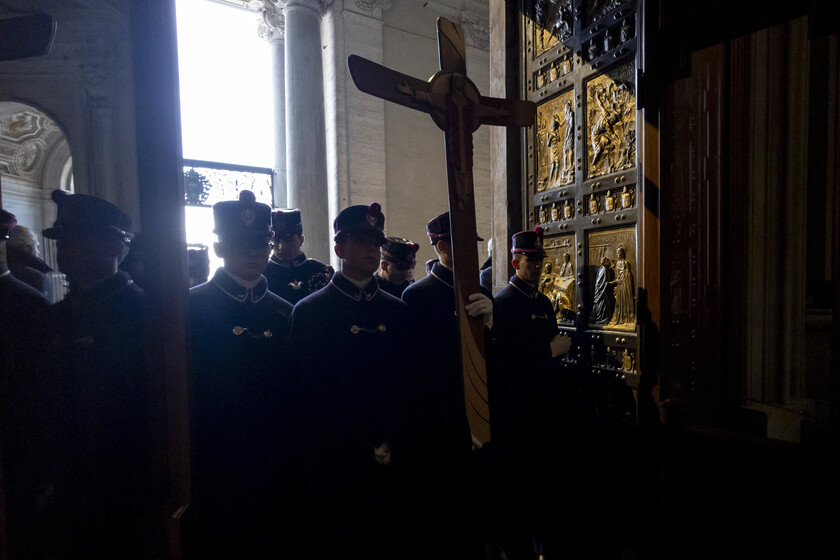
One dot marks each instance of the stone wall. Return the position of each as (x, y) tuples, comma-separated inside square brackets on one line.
[(380, 151), (84, 85)]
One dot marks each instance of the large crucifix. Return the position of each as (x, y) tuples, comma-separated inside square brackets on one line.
[(457, 107)]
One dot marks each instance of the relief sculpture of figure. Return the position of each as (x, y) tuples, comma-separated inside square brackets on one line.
[(626, 31), (593, 204), (569, 143), (566, 299), (623, 136), (625, 305), (608, 41), (553, 139), (609, 201), (598, 134), (601, 304), (612, 140), (562, 28), (625, 198), (593, 49), (568, 269), (542, 214), (626, 361)]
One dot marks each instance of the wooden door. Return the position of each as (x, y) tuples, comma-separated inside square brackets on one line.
[(744, 107)]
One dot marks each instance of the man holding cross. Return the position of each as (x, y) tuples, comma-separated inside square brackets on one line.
[(461, 311), (443, 456)]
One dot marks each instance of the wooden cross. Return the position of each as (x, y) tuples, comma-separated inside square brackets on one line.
[(457, 107)]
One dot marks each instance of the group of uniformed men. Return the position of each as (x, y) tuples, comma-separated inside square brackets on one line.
[(327, 408)]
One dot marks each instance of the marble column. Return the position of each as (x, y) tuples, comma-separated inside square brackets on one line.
[(306, 160), (273, 29)]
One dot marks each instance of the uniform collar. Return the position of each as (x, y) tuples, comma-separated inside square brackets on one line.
[(295, 262), (443, 274), (351, 290), (102, 290), (529, 290), (383, 280), (236, 290)]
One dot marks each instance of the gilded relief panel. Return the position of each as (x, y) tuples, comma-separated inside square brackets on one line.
[(611, 122), (556, 142), (553, 23), (558, 279), (612, 264), (598, 8)]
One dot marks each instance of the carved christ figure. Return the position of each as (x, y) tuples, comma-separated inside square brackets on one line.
[(598, 135), (553, 141), (569, 143), (566, 297), (625, 305)]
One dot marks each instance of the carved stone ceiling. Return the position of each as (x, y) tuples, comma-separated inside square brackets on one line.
[(27, 137)]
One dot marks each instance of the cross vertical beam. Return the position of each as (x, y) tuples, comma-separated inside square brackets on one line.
[(458, 109)]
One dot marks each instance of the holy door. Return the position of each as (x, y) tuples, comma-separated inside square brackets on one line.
[(581, 175)]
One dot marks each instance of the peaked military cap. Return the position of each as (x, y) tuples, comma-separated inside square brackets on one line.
[(242, 218), (85, 214), (400, 251), (360, 219), (529, 242), (7, 222), (286, 223), (438, 228)]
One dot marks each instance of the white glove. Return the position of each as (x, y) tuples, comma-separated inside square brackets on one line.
[(481, 306), (475, 443), (560, 344), (382, 454)]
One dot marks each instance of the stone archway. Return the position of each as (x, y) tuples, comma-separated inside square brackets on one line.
[(35, 159)]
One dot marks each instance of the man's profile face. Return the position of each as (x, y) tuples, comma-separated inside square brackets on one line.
[(82, 253), (287, 248), (360, 253), (398, 273), (245, 258), (530, 267)]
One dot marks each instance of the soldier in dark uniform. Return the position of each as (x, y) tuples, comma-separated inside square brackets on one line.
[(198, 263), (396, 271), (290, 274), (22, 323), (444, 460), (240, 377), (347, 336), (97, 402), (24, 262), (530, 429)]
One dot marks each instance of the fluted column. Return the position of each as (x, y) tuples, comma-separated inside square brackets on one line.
[(306, 160), (273, 29)]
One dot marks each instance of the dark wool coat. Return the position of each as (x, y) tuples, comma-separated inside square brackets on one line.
[(240, 413), (298, 278), (350, 347)]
